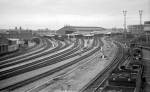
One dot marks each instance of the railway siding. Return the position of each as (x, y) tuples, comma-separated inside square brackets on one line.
[(146, 72), (40, 47), (97, 82), (27, 75), (39, 58), (78, 78), (23, 51)]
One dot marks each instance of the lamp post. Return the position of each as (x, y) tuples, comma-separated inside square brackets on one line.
[(140, 13), (140, 29), (124, 14)]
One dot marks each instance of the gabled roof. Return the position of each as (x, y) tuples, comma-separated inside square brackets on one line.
[(67, 28), (83, 28)]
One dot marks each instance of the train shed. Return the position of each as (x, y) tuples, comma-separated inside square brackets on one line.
[(78, 29)]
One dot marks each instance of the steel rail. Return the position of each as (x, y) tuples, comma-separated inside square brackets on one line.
[(38, 64), (26, 53), (21, 52), (25, 82), (41, 47), (96, 82), (119, 62), (10, 63)]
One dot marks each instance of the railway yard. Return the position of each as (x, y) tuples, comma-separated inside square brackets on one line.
[(74, 46), (83, 64)]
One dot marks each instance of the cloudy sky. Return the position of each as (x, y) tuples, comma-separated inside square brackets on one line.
[(54, 14)]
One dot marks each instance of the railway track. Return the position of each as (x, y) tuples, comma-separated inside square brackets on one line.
[(96, 84), (32, 56), (24, 51), (37, 64), (42, 46), (25, 82)]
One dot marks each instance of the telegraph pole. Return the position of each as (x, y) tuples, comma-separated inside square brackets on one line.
[(125, 30)]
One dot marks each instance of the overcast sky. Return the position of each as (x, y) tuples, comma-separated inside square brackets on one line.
[(54, 14)]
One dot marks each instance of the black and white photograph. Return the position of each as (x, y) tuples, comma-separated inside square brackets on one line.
[(74, 45)]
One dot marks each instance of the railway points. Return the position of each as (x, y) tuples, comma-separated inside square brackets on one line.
[(42, 47), (14, 61), (38, 52), (25, 51), (59, 53), (146, 70), (62, 73), (22, 49), (74, 46), (124, 76), (14, 70), (36, 75), (101, 77)]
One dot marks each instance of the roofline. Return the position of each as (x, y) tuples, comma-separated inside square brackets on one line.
[(84, 26)]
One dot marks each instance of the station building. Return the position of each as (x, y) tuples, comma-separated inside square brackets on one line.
[(78, 30)]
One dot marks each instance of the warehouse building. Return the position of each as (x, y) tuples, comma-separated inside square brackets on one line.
[(7, 45), (3, 39), (136, 29), (147, 26), (141, 30), (147, 30), (20, 34), (78, 30)]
